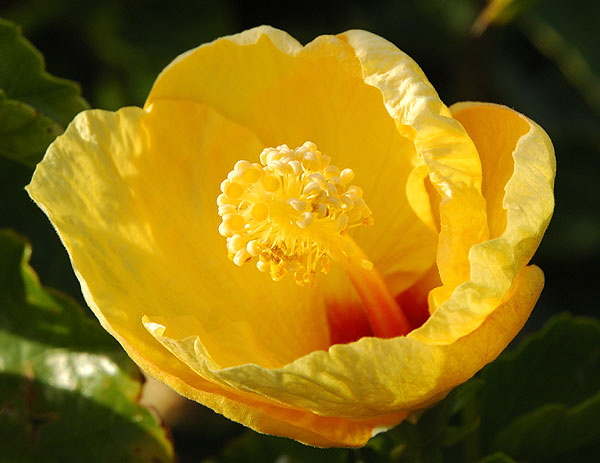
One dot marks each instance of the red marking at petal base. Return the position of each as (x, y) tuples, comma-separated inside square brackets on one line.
[(415, 307), (414, 299), (347, 322)]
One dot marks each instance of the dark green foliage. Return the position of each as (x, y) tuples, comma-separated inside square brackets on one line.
[(35, 107), (68, 392)]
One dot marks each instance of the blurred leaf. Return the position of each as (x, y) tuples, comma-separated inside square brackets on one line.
[(497, 458), (34, 106), (541, 401), (68, 392), (424, 438), (24, 132), (552, 430), (455, 17), (570, 39), (254, 447), (499, 12)]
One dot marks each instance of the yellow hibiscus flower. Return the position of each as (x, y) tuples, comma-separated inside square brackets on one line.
[(292, 161)]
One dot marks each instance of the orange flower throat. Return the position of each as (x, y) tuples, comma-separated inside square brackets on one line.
[(291, 214)]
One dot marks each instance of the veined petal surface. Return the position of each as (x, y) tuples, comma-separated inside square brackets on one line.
[(519, 182)]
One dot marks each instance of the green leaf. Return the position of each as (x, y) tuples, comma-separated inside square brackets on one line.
[(34, 106), (570, 40), (500, 12), (552, 430), (68, 392), (497, 458), (24, 132), (541, 402), (257, 447), (425, 438)]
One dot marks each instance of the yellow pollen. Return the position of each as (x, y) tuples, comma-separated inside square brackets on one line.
[(291, 213)]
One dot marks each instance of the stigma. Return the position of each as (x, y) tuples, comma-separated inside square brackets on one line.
[(290, 213)]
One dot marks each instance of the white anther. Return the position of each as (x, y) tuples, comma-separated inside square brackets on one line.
[(284, 150), (264, 156), (235, 243), (252, 174), (310, 145), (310, 161), (320, 196), (263, 265), (241, 166), (346, 203), (311, 188), (226, 209), (346, 175), (354, 191), (271, 183), (332, 189), (306, 218), (334, 202), (271, 157), (317, 177), (337, 182), (224, 184), (223, 231), (298, 205), (296, 167), (331, 171), (254, 248), (223, 200), (233, 221), (279, 167), (325, 160), (233, 189), (241, 257)]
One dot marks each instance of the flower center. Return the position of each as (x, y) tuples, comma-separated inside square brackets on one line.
[(291, 213)]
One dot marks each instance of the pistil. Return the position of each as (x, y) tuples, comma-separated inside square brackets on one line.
[(384, 313)]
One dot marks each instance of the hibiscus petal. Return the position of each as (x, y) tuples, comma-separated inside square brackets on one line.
[(523, 152), (441, 143)]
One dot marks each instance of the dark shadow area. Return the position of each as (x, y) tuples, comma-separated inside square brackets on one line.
[(42, 423)]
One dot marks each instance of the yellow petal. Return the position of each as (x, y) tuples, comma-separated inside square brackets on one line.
[(495, 131), (519, 187), (287, 94), (441, 143)]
